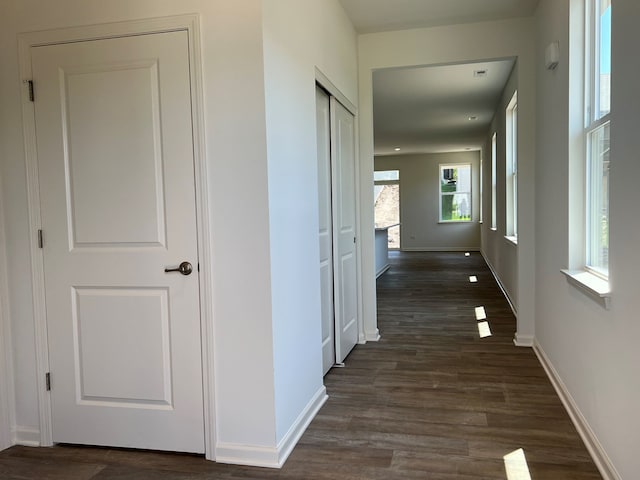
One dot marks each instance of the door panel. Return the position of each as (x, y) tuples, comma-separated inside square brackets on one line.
[(344, 212), (133, 162), (115, 159), (323, 124)]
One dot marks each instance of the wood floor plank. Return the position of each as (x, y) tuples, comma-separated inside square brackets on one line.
[(431, 400)]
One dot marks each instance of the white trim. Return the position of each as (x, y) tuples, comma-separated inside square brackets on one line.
[(372, 336), (7, 395), (191, 24), (382, 270), (591, 285), (272, 457), (440, 249), (506, 295), (27, 436), (334, 91), (523, 340), (600, 457)]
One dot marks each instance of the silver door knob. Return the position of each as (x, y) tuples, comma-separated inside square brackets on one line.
[(185, 268)]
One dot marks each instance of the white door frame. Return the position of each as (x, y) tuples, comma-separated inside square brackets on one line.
[(324, 82), (7, 398), (190, 24)]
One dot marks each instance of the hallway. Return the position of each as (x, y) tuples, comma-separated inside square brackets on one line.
[(431, 400)]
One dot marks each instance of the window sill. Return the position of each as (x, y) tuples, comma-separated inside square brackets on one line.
[(594, 287), (511, 239), (447, 222)]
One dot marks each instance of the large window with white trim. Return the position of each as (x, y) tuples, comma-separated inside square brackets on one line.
[(494, 182), (512, 167), (597, 134), (455, 193)]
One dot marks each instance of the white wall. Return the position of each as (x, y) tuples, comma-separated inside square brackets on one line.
[(593, 351), (259, 60), (419, 203), (456, 44), (298, 37), (500, 253), (7, 407), (236, 156)]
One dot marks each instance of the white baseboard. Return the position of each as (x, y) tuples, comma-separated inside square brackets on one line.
[(272, 457), (440, 249), (383, 269), (523, 340), (600, 457), (504, 290), (372, 336), (27, 436)]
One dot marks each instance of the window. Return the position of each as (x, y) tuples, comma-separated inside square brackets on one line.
[(597, 134), (455, 193), (481, 204), (387, 204), (494, 193), (512, 167)]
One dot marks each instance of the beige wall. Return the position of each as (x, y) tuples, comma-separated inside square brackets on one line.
[(500, 253), (419, 203)]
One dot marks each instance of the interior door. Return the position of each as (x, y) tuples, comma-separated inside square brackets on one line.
[(344, 228), (325, 233), (115, 155)]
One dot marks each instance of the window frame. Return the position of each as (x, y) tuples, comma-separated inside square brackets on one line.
[(442, 167), (594, 122), (511, 178), (494, 181)]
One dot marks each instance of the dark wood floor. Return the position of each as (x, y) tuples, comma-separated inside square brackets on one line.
[(431, 400)]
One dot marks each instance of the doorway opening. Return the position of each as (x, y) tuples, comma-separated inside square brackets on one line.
[(386, 199)]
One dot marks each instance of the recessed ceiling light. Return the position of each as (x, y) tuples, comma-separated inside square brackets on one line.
[(473, 117), (397, 149), (480, 73)]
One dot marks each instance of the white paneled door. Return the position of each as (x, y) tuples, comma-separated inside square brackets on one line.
[(344, 228), (115, 159), (337, 230), (325, 232)]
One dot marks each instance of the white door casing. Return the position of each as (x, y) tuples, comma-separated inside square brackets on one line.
[(325, 233), (115, 158), (344, 228)]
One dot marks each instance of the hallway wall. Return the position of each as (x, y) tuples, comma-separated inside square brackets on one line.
[(593, 351), (500, 253)]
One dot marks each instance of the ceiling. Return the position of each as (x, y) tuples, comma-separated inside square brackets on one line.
[(428, 109), (380, 15)]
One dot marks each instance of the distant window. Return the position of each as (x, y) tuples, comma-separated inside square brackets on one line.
[(386, 175), (455, 193)]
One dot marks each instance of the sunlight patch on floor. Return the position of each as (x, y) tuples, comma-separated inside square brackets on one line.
[(480, 313), (473, 279), (484, 330), (515, 464)]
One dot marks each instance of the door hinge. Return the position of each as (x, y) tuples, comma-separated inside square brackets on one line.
[(31, 94), (40, 239), (354, 239), (47, 381)]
